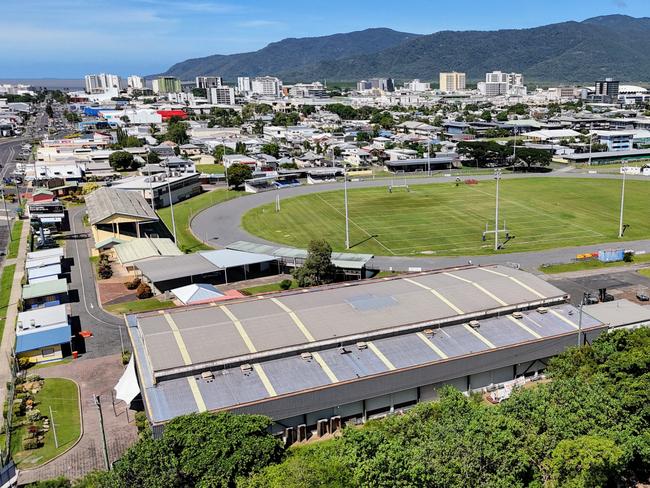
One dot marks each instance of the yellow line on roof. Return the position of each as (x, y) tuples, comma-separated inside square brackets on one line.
[(479, 287), (179, 339), (435, 348), (198, 398), (512, 278), (295, 319), (240, 328), (564, 319), (483, 339), (437, 294), (524, 326), (265, 379), (381, 356), (330, 374)]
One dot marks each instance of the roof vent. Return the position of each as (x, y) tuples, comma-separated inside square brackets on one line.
[(428, 332), (518, 315), (362, 345), (343, 350), (246, 368), (208, 376), (542, 310), (20, 325), (307, 356), (474, 324)]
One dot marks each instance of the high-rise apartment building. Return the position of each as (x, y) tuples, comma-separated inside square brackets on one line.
[(417, 86), (244, 84), (498, 83), (166, 84), (607, 89), (222, 95), (135, 82), (269, 86), (208, 81), (102, 83), (452, 81), (364, 85)]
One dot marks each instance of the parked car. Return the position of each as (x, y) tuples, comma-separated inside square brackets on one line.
[(591, 299), (642, 297)]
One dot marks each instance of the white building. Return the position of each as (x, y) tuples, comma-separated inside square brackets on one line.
[(244, 84), (209, 82), (417, 86), (498, 83), (223, 95), (452, 81), (102, 83), (135, 82), (307, 90), (267, 86)]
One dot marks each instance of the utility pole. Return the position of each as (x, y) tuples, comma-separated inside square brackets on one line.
[(345, 196), (428, 157), (4, 201), (582, 302), (497, 176), (171, 203), (98, 404), (620, 222), (591, 128)]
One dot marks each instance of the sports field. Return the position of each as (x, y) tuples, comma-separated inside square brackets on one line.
[(443, 219)]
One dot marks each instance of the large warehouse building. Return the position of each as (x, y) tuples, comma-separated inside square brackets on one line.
[(351, 351)]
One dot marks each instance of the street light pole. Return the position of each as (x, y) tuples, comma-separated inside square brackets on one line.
[(345, 196), (428, 157), (4, 201), (620, 222), (582, 302), (171, 203), (497, 176)]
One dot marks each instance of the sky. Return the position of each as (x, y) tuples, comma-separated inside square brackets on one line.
[(69, 38)]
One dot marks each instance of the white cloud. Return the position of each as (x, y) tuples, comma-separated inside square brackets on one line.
[(259, 23)]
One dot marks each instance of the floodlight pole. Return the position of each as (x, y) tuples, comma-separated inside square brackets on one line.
[(428, 157), (591, 128), (582, 302), (171, 203), (497, 176), (620, 221), (345, 196)]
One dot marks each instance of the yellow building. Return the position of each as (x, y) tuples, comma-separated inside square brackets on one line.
[(452, 81), (43, 334), (118, 215)]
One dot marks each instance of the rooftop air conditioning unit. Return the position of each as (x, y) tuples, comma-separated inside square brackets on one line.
[(20, 325), (542, 310), (207, 375), (474, 324), (362, 345), (518, 315), (32, 324), (307, 356), (246, 368), (428, 332)]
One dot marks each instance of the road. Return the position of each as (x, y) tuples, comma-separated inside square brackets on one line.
[(221, 225), (86, 312)]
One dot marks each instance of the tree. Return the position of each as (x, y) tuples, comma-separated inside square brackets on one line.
[(49, 110), (502, 116), (220, 151), (307, 110), (199, 450), (125, 119), (121, 160), (337, 151), (486, 115), (200, 92), (363, 136), (317, 268), (530, 157), (258, 127), (272, 149), (484, 153), (177, 133), (89, 187), (238, 173), (153, 158)]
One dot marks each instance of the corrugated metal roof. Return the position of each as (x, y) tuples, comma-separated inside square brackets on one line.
[(229, 258), (52, 270), (174, 267), (105, 202), (45, 253), (44, 317), (45, 288), (39, 338), (145, 248)]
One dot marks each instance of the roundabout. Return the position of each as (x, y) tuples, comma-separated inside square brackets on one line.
[(554, 217)]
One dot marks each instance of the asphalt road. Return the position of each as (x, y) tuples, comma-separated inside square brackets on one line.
[(221, 225), (86, 312)]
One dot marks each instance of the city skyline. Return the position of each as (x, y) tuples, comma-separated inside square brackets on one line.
[(71, 38)]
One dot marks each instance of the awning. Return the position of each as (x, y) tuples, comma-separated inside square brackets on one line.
[(128, 388)]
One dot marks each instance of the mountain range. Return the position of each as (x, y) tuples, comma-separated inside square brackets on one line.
[(611, 45)]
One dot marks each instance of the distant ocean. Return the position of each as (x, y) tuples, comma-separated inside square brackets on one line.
[(52, 83)]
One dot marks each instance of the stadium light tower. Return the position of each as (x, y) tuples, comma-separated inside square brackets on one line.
[(345, 196), (620, 220), (497, 176)]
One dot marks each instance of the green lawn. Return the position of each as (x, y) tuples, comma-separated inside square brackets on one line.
[(16, 231), (590, 264), (5, 293), (645, 272), (144, 305), (186, 210), (445, 219), (210, 168), (63, 396), (254, 290)]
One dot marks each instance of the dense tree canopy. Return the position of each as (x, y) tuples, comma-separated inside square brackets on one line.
[(318, 267), (122, 161), (238, 173)]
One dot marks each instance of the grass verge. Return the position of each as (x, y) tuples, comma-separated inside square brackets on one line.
[(590, 264), (269, 287), (144, 305), (210, 169), (16, 231), (5, 293), (63, 396), (186, 210)]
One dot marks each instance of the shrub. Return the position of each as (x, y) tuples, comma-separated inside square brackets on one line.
[(34, 415), (132, 285), (628, 257), (285, 284), (143, 291), (30, 378), (126, 357), (30, 444), (104, 270), (141, 421)]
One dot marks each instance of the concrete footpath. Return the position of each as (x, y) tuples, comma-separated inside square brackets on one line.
[(9, 333)]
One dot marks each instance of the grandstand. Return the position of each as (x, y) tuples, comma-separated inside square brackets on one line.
[(273, 181), (322, 175)]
